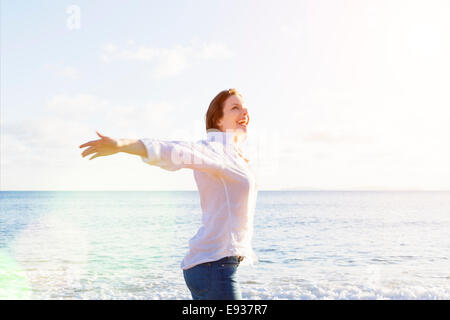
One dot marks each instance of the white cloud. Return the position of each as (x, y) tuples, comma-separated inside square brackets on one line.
[(64, 71), (215, 51), (69, 72), (41, 152), (168, 62), (78, 105)]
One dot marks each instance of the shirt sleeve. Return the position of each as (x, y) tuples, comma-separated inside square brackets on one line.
[(175, 155)]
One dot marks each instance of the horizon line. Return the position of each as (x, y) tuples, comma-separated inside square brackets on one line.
[(271, 190)]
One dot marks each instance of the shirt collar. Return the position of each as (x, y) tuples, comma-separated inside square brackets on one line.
[(227, 138)]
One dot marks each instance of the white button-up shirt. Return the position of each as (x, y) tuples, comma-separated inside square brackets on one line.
[(228, 191)]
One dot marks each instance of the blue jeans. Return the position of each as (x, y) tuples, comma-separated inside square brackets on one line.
[(215, 280)]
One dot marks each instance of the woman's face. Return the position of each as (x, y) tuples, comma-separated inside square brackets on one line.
[(235, 115)]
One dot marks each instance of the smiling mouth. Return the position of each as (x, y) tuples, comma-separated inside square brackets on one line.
[(243, 122)]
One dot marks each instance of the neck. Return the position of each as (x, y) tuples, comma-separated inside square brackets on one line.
[(237, 137)]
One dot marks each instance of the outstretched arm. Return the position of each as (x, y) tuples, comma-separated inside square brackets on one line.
[(175, 155), (106, 146), (168, 155)]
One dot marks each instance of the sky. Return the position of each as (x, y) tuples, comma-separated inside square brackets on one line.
[(342, 95)]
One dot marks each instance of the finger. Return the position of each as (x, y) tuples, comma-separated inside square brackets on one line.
[(90, 143), (94, 156), (88, 151), (100, 135)]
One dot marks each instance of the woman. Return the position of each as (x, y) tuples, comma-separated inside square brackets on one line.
[(227, 190)]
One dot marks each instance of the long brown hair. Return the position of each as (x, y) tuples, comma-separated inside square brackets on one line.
[(215, 110)]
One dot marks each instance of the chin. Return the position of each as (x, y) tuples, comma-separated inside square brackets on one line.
[(241, 130)]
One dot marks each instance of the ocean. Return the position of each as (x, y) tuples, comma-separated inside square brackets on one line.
[(310, 245)]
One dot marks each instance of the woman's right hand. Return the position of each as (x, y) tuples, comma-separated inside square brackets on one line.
[(104, 146)]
